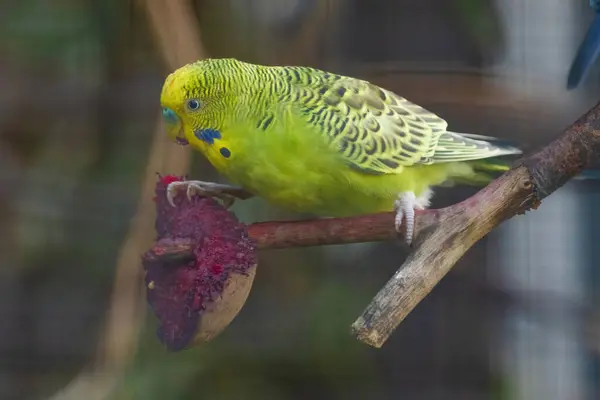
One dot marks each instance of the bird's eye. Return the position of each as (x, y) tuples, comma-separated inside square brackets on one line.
[(193, 104)]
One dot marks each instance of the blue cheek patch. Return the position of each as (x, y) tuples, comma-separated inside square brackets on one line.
[(207, 135), (169, 116)]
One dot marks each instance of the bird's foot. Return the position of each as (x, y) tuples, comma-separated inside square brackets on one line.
[(226, 193), (405, 208)]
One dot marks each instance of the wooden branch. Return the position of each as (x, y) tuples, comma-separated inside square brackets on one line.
[(359, 229), (438, 248), (319, 232), (442, 235)]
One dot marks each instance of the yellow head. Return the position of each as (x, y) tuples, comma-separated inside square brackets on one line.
[(197, 97)]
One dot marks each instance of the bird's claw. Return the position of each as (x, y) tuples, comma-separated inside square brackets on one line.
[(206, 189), (405, 208), (172, 188)]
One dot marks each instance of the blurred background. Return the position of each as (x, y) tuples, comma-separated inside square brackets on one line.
[(81, 141)]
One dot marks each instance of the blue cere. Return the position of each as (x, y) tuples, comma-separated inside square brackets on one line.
[(169, 115)]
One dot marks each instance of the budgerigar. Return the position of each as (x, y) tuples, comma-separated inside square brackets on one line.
[(317, 142), (588, 50)]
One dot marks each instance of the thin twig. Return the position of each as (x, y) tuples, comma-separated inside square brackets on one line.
[(280, 235)]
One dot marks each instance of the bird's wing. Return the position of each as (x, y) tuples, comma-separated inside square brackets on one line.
[(375, 130)]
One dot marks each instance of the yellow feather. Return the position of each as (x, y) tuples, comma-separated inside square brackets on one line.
[(313, 141)]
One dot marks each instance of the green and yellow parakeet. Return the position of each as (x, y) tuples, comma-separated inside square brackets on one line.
[(313, 141)]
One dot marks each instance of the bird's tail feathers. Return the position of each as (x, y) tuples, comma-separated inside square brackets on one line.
[(485, 170), (495, 165), (461, 147), (506, 146), (488, 168), (498, 165)]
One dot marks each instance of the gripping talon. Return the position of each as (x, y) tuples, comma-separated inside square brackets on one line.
[(206, 189), (405, 208), (228, 200), (171, 188), (191, 191)]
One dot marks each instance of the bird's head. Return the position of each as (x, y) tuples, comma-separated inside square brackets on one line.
[(197, 97)]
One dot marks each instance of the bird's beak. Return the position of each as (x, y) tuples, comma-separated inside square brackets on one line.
[(180, 138), (181, 141), (174, 127), (175, 132)]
